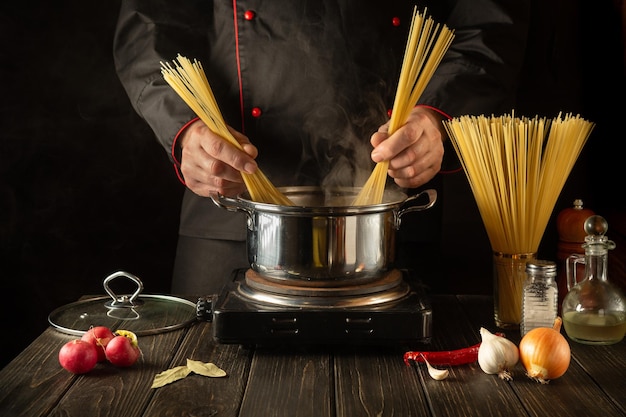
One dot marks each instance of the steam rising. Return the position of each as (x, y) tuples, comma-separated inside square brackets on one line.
[(340, 142)]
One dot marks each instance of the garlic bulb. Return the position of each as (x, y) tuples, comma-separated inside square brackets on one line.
[(496, 354)]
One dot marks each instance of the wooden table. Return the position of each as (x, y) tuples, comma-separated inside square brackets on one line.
[(319, 382)]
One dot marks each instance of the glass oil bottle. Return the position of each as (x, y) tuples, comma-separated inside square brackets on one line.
[(594, 310)]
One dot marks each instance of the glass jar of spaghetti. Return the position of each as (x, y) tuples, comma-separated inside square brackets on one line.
[(509, 275)]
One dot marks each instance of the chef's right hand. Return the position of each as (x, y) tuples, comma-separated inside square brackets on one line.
[(210, 164)]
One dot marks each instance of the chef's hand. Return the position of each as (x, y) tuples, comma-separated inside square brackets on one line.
[(210, 164), (415, 150)]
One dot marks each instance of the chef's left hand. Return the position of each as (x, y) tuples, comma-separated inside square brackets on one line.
[(415, 150)]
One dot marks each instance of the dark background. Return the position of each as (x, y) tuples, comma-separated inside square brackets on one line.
[(85, 190)]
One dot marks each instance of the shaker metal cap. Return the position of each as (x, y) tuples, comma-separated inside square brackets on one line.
[(541, 266)]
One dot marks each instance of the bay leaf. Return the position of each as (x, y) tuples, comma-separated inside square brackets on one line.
[(170, 375), (205, 368)]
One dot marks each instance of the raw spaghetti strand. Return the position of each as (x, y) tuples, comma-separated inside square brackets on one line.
[(516, 168), (190, 82), (565, 142), (427, 43)]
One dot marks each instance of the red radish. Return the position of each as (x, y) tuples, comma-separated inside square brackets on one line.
[(78, 356), (99, 336), (123, 350)]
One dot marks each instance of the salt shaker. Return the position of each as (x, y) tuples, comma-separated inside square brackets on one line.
[(539, 296)]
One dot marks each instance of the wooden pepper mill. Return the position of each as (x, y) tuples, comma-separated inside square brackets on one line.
[(570, 225)]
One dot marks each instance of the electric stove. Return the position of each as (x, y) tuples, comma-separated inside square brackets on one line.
[(257, 310)]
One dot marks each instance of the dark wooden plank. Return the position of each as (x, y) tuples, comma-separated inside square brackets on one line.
[(451, 327), (112, 391), (339, 381), (607, 366), (572, 391), (202, 396), (468, 391), (478, 310), (32, 382), (376, 382), (289, 382)]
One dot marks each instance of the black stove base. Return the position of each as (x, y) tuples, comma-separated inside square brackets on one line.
[(238, 320)]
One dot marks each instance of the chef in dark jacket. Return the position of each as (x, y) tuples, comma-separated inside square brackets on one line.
[(305, 85)]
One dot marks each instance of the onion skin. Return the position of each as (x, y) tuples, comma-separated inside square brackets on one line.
[(545, 353)]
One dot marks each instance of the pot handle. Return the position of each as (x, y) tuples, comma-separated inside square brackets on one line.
[(432, 199), (230, 204)]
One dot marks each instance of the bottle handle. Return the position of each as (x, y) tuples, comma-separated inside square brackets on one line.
[(571, 267)]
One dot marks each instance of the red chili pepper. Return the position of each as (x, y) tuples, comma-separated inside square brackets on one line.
[(446, 357)]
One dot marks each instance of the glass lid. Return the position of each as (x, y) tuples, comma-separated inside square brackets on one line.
[(142, 314)]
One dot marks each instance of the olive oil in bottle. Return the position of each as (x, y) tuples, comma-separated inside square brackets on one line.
[(594, 310)]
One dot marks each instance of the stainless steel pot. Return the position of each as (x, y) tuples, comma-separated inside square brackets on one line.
[(322, 240)]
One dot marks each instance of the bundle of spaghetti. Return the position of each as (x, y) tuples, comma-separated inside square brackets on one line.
[(190, 82), (517, 168), (426, 45)]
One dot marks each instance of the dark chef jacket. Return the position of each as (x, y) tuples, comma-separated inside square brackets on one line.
[(304, 80)]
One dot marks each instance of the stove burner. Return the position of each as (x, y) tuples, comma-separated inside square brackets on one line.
[(390, 287), (391, 310)]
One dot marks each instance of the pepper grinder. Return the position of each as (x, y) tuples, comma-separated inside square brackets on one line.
[(570, 225)]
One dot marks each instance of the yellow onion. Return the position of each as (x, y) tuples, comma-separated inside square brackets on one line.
[(545, 353)]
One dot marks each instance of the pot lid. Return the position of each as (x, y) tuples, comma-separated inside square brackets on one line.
[(140, 313)]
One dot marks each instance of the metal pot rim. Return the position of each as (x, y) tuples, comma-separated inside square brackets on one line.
[(392, 200)]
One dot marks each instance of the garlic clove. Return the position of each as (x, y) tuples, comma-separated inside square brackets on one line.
[(436, 374)]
